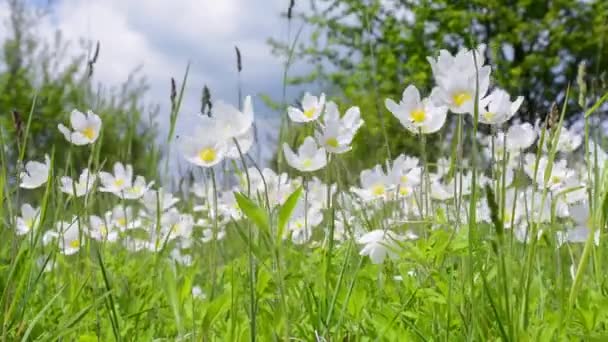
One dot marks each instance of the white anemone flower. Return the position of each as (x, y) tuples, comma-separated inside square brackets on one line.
[(456, 78), (309, 157), (567, 142), (138, 189), (122, 218), (35, 174), (520, 136), (303, 220), (375, 184), (244, 141), (29, 219), (231, 121), (497, 107), (463, 62), (69, 237), (417, 115), (116, 183), (159, 199), (378, 244), (100, 229), (81, 187), (337, 133), (583, 218), (208, 146), (312, 107), (85, 127)]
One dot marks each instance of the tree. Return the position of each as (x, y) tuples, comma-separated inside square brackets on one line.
[(41, 77), (365, 51)]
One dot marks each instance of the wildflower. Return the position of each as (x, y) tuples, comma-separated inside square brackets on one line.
[(69, 236), (85, 127), (309, 157), (457, 78), (378, 244), (29, 219), (231, 121), (375, 184), (520, 136), (567, 142), (303, 220), (119, 181), (415, 114), (137, 190), (497, 107), (175, 224), (35, 174), (405, 174), (334, 138), (312, 107), (158, 199), (100, 229), (583, 218), (122, 218), (208, 146), (208, 235), (81, 187)]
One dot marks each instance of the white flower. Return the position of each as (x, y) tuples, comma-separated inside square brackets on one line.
[(69, 236), (29, 219), (303, 220), (35, 174), (230, 120), (209, 144), (312, 107), (378, 244), (100, 229), (456, 78), (80, 188), (244, 141), (208, 235), (405, 174), (375, 184), (137, 190), (520, 136), (198, 293), (119, 181), (333, 138), (415, 114), (583, 218), (176, 225), (85, 128), (567, 142), (123, 218), (497, 107), (309, 157), (159, 199)]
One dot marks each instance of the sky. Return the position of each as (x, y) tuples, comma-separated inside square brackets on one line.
[(162, 36)]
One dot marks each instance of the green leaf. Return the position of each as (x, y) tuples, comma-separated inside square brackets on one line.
[(253, 211), (287, 209)]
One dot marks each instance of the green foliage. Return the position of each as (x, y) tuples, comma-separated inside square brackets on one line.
[(366, 51), (44, 76)]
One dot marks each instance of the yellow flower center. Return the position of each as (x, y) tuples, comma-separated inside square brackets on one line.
[(29, 223), (332, 142), (119, 182), (404, 179), (307, 163), (88, 132), (309, 113), (135, 189), (122, 222), (418, 116), (556, 179), (207, 155), (404, 191), (489, 116), (460, 98), (74, 243), (378, 190)]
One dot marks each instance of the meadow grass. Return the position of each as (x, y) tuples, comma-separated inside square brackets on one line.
[(241, 259)]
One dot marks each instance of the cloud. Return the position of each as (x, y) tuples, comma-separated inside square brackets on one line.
[(162, 36)]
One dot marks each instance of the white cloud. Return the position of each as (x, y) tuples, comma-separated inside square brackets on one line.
[(161, 36)]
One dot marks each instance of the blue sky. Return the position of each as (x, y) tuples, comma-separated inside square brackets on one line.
[(161, 36)]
